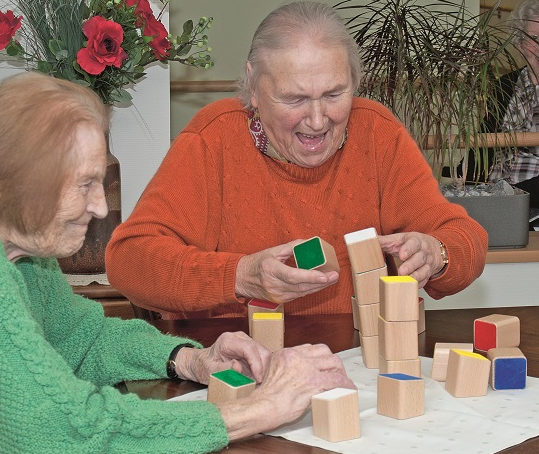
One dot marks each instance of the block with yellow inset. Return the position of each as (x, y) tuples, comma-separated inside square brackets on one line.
[(467, 374), (441, 357), (229, 385), (268, 330), (256, 305), (399, 299)]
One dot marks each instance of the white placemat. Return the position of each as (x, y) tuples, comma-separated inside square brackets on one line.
[(473, 425)]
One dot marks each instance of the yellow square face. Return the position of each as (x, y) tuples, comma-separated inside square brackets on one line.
[(267, 316), (397, 279)]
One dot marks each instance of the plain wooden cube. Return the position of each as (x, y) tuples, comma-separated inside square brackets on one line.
[(398, 340), (496, 331), (367, 285), (336, 415), (256, 306), (509, 368), (316, 254), (364, 250), (401, 396), (229, 385), (406, 366), (268, 330), (368, 319), (441, 357), (399, 299), (421, 326), (467, 374), (370, 351)]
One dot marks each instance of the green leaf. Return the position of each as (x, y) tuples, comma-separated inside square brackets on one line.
[(120, 95), (14, 49), (188, 27), (58, 49), (44, 67), (184, 50)]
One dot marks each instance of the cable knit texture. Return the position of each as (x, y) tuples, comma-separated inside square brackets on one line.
[(216, 197), (59, 357)]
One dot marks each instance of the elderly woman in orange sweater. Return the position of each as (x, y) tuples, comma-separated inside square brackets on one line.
[(295, 155)]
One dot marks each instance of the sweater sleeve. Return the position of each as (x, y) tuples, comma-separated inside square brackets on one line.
[(411, 201), (171, 237), (49, 408)]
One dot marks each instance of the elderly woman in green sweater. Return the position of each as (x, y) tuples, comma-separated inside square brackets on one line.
[(59, 355)]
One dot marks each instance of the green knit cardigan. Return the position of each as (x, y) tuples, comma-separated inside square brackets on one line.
[(60, 356)]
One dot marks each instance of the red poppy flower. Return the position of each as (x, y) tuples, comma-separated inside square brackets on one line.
[(104, 47), (9, 24)]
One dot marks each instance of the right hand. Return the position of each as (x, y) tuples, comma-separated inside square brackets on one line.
[(265, 276)]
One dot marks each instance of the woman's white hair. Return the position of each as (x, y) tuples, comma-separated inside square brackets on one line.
[(286, 25), (524, 13)]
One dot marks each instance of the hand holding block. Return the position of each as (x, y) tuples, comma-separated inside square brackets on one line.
[(229, 385), (467, 374), (316, 254), (268, 330), (364, 250), (336, 415), (400, 396), (509, 368), (256, 305), (441, 357), (496, 331), (367, 285), (399, 299)]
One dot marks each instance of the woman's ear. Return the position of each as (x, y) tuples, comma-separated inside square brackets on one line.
[(249, 72)]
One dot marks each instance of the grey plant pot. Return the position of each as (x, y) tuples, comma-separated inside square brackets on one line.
[(504, 217)]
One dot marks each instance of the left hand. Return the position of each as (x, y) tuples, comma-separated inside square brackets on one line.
[(419, 253), (230, 351)]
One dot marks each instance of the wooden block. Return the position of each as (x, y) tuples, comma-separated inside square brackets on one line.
[(494, 331), (316, 254), (364, 250), (370, 351), (441, 357), (407, 366), (336, 415), (399, 301), (509, 368), (255, 306), (355, 313), (467, 374), (268, 330), (400, 396), (367, 285), (229, 385), (398, 340), (421, 326), (368, 319)]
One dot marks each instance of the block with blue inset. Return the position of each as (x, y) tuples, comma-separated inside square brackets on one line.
[(400, 396), (509, 368)]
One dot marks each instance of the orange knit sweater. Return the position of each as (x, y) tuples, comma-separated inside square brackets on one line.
[(216, 197)]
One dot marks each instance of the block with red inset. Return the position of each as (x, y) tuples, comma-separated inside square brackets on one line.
[(496, 331), (256, 306)]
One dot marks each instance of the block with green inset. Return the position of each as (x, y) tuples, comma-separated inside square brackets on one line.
[(316, 254), (229, 385)]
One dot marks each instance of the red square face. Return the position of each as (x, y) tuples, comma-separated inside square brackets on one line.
[(484, 335)]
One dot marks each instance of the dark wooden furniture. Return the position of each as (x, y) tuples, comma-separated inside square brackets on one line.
[(338, 333), (114, 303)]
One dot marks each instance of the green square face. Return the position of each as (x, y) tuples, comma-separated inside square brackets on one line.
[(233, 378), (309, 254)]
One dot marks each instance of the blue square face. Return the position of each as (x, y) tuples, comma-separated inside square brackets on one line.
[(509, 373)]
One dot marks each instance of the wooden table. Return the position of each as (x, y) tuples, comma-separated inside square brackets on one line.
[(338, 333)]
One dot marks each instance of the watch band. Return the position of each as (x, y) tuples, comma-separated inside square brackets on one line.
[(171, 363)]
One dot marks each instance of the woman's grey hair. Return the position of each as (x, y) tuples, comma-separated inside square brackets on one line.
[(524, 13), (288, 23)]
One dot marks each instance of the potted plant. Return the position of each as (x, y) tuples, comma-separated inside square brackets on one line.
[(436, 67), (105, 45)]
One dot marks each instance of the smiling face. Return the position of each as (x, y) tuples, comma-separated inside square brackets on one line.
[(304, 99), (82, 198)]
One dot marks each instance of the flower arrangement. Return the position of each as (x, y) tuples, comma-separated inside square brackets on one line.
[(103, 44)]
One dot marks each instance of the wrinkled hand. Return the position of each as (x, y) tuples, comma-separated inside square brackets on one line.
[(265, 276), (230, 351), (419, 254), (296, 374)]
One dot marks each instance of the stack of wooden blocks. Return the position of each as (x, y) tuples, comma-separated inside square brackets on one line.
[(368, 266)]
